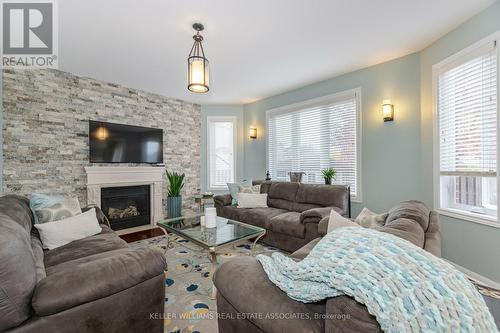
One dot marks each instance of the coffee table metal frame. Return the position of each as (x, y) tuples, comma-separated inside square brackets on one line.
[(212, 251)]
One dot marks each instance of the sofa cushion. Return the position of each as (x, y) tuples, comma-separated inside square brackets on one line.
[(229, 212), (88, 279), (406, 229), (18, 273), (106, 240), (282, 195), (259, 217), (264, 186), (288, 224), (311, 196), (245, 285), (413, 210)]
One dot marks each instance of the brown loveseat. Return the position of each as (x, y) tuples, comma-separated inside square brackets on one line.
[(93, 285), (294, 212), (248, 302)]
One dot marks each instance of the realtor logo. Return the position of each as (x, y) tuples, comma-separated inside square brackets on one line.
[(29, 34)]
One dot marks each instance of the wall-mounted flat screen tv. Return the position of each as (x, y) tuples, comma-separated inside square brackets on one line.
[(116, 143)]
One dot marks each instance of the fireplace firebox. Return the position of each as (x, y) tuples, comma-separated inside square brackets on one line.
[(126, 206)]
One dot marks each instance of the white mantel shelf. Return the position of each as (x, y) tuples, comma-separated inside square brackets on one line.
[(112, 176)]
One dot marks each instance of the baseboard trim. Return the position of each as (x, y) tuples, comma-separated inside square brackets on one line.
[(481, 279)]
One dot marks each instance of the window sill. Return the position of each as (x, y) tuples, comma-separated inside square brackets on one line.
[(476, 218), (218, 190)]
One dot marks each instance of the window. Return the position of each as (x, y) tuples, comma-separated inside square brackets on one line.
[(221, 151), (467, 132), (315, 135)]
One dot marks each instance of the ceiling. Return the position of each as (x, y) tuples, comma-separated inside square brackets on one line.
[(256, 48)]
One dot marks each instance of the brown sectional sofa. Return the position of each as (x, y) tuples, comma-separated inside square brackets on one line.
[(294, 213), (243, 287), (93, 285)]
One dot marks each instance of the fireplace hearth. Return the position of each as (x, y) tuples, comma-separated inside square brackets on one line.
[(126, 206)]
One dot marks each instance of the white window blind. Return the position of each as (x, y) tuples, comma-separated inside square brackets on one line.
[(221, 164), (467, 117), (314, 138), (467, 120)]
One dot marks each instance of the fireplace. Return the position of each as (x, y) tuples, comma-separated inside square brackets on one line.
[(126, 206), (101, 178)]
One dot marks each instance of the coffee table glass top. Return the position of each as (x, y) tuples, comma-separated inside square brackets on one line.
[(227, 231)]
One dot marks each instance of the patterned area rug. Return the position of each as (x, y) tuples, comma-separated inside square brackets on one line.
[(188, 307)]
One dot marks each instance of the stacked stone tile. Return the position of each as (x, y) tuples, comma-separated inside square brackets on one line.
[(45, 129)]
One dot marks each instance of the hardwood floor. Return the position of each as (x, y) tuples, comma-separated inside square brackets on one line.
[(143, 234)]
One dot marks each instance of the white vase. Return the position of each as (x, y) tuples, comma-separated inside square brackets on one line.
[(210, 217)]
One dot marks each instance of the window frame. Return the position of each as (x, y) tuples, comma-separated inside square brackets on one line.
[(216, 119), (437, 69), (331, 98)]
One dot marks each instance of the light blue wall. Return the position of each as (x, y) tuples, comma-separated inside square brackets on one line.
[(222, 110), (390, 151), (471, 245)]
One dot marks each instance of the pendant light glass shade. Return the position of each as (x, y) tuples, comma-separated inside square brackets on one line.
[(198, 64), (198, 74)]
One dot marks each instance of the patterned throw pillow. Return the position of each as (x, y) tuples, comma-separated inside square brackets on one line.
[(234, 189), (369, 219), (255, 189), (48, 208)]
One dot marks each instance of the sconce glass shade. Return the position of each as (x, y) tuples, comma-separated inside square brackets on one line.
[(252, 131), (388, 110), (197, 64)]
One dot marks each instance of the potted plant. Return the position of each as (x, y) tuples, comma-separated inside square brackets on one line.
[(329, 175), (174, 198)]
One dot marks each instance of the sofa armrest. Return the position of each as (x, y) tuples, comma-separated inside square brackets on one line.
[(99, 214), (315, 215), (344, 314), (85, 281), (323, 226), (223, 200)]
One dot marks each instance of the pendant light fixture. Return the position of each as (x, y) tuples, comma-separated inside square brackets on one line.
[(197, 64)]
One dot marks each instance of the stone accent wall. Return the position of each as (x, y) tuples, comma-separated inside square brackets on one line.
[(45, 130)]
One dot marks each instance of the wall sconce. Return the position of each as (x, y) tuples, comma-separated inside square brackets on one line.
[(252, 131), (388, 110)]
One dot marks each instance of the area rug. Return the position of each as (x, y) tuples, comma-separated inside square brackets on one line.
[(188, 307)]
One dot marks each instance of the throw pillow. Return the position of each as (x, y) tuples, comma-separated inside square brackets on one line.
[(255, 189), (234, 189), (48, 208), (251, 200), (369, 219), (337, 221), (58, 233)]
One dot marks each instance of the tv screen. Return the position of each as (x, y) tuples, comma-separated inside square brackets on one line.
[(116, 143)]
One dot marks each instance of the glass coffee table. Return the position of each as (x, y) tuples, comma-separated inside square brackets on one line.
[(227, 233)]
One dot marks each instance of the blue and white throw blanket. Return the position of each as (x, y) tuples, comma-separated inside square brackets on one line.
[(406, 288)]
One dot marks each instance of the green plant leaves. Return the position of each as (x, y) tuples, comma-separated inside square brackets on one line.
[(176, 183), (329, 173)]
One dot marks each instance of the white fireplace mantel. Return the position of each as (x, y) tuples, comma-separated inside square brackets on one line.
[(102, 176)]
